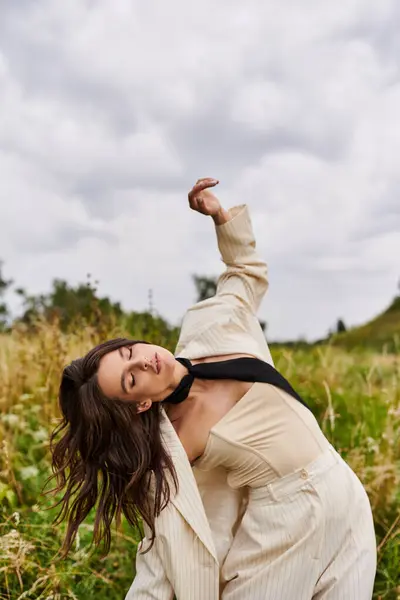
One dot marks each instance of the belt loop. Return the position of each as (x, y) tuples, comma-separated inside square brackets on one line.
[(270, 489)]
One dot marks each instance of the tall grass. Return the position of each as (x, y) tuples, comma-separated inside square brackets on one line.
[(356, 397)]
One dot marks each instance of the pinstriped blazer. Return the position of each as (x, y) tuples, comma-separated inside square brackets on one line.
[(195, 530)]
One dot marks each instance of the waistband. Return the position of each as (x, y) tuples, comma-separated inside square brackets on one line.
[(284, 486)]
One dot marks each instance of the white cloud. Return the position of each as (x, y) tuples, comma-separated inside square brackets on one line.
[(110, 111)]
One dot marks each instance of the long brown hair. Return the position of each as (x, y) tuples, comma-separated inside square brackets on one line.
[(106, 454)]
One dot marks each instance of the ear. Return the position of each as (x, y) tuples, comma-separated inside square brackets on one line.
[(143, 406)]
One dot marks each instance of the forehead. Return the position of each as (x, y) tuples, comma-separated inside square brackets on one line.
[(109, 374)]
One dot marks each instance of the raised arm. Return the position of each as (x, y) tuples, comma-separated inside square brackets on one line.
[(244, 280), (240, 288)]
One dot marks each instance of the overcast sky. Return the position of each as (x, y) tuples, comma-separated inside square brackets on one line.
[(109, 111)]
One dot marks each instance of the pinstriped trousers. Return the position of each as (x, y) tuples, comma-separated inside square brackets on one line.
[(306, 536)]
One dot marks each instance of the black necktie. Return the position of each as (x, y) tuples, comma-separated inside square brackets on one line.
[(241, 369)]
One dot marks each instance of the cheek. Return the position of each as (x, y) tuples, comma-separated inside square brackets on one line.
[(167, 357), (149, 383)]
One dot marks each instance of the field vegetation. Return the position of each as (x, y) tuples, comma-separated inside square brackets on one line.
[(354, 391)]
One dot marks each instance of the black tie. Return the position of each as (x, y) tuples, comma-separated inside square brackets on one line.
[(241, 369)]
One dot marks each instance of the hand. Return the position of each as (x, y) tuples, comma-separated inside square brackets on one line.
[(202, 200)]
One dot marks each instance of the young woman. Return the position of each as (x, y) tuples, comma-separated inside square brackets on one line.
[(241, 495)]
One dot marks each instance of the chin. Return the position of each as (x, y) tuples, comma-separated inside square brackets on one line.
[(169, 360), (166, 355)]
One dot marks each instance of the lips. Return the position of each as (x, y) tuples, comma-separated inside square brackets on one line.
[(158, 363)]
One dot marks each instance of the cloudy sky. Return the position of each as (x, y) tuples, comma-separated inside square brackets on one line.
[(109, 111)]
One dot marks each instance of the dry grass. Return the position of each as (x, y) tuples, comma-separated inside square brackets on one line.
[(356, 397)]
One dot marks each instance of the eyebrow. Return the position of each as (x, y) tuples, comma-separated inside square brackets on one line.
[(123, 385)]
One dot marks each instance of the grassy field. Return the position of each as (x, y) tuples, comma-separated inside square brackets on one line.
[(356, 396)]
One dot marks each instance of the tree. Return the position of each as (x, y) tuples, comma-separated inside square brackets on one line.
[(341, 327), (4, 311), (77, 306), (69, 304), (206, 287), (263, 325)]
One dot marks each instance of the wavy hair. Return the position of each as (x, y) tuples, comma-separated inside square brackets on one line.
[(109, 456)]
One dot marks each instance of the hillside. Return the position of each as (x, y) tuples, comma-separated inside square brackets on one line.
[(382, 332)]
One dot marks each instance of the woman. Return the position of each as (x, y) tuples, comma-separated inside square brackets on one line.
[(241, 495)]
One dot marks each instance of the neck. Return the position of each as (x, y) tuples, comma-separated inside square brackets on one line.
[(179, 373), (198, 388)]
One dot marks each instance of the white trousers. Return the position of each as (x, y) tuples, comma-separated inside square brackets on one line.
[(307, 536)]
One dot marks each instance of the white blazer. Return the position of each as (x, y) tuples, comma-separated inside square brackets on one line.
[(195, 531)]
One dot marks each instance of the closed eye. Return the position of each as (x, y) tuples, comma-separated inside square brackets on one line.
[(132, 381)]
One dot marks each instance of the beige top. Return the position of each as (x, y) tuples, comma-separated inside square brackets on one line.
[(268, 434)]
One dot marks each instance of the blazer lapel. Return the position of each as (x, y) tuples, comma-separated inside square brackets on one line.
[(187, 500)]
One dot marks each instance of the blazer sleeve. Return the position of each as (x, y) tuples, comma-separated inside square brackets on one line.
[(151, 582), (240, 289), (244, 281)]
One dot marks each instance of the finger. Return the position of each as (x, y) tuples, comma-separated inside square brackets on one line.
[(194, 202), (203, 185), (196, 199), (205, 179)]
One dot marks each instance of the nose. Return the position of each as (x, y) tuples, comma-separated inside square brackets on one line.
[(140, 362)]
